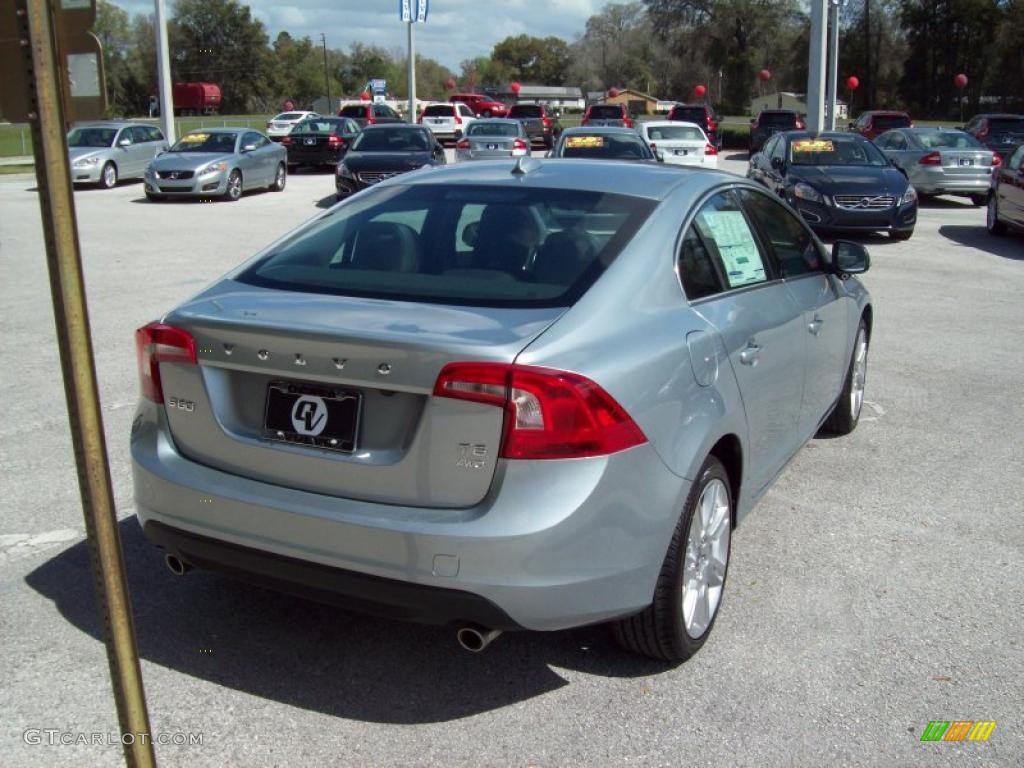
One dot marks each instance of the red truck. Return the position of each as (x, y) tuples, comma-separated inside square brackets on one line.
[(195, 98)]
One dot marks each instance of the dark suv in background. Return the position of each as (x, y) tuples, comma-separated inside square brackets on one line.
[(540, 125), (607, 116), (702, 115), (1000, 133), (772, 121)]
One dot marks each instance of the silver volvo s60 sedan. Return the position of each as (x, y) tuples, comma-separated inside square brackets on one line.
[(535, 394)]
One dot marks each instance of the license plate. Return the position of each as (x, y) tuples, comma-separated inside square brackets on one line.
[(492, 146), (681, 151), (310, 142), (322, 417), (966, 161)]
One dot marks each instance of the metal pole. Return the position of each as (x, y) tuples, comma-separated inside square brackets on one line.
[(816, 67), (327, 79), (163, 72), (412, 74), (833, 62), (71, 314)]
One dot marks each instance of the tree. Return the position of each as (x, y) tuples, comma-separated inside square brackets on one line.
[(544, 61), (113, 28)]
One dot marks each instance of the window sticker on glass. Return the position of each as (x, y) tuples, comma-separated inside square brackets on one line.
[(732, 236), (194, 138), (812, 145), (584, 142)]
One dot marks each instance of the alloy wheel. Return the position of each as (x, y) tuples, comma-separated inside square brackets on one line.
[(706, 558), (860, 374)]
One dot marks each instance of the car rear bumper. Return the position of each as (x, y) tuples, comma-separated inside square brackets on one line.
[(555, 544), (937, 182), (707, 161), (315, 157)]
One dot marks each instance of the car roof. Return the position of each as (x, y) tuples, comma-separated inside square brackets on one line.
[(647, 180), (1008, 115), (498, 120), (824, 135), (110, 124), (778, 112), (223, 130), (670, 124), (894, 112), (395, 127)]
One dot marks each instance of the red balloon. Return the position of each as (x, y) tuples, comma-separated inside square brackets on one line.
[(449, 84), (514, 87), (699, 91), (365, 95), (765, 75), (852, 82), (613, 92), (960, 81)]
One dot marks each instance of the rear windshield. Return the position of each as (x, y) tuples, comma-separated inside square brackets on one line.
[(457, 244), (439, 110), (689, 114), (835, 151), (885, 122), (675, 133), (1003, 125), (531, 110), (947, 140), (777, 119), (393, 140), (606, 112), (320, 125), (290, 116), (603, 146), (353, 110), (493, 129)]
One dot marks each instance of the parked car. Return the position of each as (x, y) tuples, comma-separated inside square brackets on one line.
[(1000, 133), (1006, 198), (604, 143), (838, 182), (383, 151), (104, 152), (607, 115), (541, 125), (678, 143), (941, 161), (221, 162), (366, 113), (448, 122), (490, 138), (874, 123), (425, 402), (702, 115), (771, 121), (281, 125), (320, 141), (481, 104)]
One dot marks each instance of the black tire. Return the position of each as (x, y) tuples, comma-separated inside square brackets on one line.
[(846, 414), (155, 198), (108, 176), (280, 178), (992, 222), (659, 631), (549, 142), (901, 234), (979, 200), (486, 113), (233, 193)]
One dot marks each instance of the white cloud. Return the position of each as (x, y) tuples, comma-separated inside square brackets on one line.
[(455, 30)]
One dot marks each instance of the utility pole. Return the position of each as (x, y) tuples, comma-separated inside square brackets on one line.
[(163, 71), (327, 79), (412, 73), (816, 66), (833, 62)]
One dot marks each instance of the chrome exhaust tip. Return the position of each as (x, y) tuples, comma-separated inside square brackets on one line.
[(176, 565), (474, 638)]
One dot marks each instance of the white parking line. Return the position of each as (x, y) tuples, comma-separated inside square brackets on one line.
[(17, 545)]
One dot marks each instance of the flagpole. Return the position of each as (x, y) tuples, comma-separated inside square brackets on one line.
[(412, 73)]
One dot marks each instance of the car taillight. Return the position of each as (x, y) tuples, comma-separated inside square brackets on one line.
[(628, 123), (335, 141), (286, 141), (370, 121), (996, 160), (519, 144), (158, 343), (800, 125), (458, 120), (711, 124), (984, 129), (710, 149), (549, 414), (462, 144), (932, 158), (547, 121), (654, 147)]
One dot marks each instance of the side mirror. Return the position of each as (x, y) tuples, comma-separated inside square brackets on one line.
[(124, 143), (849, 258), (779, 164), (249, 148)]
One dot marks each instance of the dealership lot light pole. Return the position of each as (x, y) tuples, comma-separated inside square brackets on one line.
[(163, 71), (816, 67)]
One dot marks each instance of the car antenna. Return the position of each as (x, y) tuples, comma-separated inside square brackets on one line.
[(524, 165)]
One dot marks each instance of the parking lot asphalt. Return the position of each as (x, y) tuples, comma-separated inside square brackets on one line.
[(877, 587)]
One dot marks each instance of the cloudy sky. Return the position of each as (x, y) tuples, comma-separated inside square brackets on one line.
[(455, 30)]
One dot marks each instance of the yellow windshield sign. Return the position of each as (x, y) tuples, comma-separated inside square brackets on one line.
[(813, 145), (194, 138), (584, 142)]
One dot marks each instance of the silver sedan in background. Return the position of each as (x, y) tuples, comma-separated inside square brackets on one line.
[(220, 162), (105, 152), (502, 395), (941, 161), (493, 138)]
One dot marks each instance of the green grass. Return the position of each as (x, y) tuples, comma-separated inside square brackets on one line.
[(6, 170)]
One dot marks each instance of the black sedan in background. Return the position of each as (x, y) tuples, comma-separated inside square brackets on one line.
[(1000, 133), (838, 182), (320, 141), (603, 143), (383, 151)]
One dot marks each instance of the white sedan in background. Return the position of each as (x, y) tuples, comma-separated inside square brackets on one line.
[(679, 143), (281, 125)]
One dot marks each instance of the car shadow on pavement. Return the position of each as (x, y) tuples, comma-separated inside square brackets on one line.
[(743, 156), (1009, 246), (318, 657), (954, 203), (327, 202)]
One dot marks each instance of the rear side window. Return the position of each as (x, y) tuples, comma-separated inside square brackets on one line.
[(1004, 125), (885, 122), (689, 114), (795, 249), (509, 130), (777, 119), (606, 112), (605, 146), (720, 234), (457, 244), (353, 110), (675, 133)]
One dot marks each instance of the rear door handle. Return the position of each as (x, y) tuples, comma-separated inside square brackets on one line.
[(750, 354), (815, 325)]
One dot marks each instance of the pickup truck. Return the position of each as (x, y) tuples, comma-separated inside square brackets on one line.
[(541, 126)]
